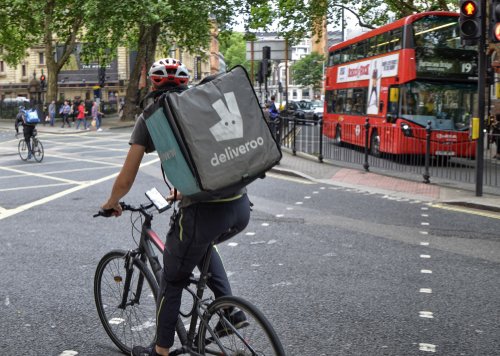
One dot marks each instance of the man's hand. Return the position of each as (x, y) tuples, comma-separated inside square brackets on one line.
[(178, 196), (117, 208)]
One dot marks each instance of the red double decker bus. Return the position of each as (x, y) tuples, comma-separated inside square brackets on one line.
[(402, 76)]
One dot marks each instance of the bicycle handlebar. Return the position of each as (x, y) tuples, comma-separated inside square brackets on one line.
[(141, 208)]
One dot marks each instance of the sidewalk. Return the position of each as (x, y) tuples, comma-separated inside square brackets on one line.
[(308, 167)]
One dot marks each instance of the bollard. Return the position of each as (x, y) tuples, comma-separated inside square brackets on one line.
[(294, 150), (428, 130), (366, 166), (320, 157)]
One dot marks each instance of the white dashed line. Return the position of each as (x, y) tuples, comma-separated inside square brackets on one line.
[(232, 244), (427, 347), (264, 224), (424, 232), (250, 233), (426, 290), (424, 243), (279, 215), (425, 256), (426, 271), (426, 314), (424, 223)]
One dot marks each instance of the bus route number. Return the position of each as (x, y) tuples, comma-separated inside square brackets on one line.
[(466, 67)]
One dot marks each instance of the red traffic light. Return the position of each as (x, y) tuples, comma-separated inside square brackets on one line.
[(469, 8), (42, 77)]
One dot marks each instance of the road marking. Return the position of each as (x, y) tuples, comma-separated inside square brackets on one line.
[(472, 211), (425, 256), (427, 271), (5, 213), (424, 232), (426, 314), (426, 290), (424, 223), (427, 347), (424, 243), (39, 175), (291, 179)]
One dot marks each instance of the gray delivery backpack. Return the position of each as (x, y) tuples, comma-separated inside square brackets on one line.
[(212, 139)]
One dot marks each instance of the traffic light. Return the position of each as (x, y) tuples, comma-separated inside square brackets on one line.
[(470, 21), (495, 21), (42, 82), (102, 76)]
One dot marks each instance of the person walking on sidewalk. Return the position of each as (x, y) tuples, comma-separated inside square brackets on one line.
[(495, 131), (52, 112), (65, 111), (81, 116), (96, 115)]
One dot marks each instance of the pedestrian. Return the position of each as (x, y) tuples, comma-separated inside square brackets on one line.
[(74, 110), (65, 111), (193, 227), (52, 112), (81, 116), (96, 115), (495, 132), (273, 116)]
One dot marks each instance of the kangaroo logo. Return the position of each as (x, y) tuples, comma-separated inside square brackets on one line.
[(231, 124)]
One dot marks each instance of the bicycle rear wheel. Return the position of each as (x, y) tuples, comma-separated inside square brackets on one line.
[(128, 321), (22, 148), (37, 149), (258, 338)]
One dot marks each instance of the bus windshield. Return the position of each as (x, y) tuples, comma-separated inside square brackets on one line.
[(437, 32), (448, 106)]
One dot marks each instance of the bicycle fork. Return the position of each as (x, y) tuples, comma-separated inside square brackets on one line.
[(129, 268)]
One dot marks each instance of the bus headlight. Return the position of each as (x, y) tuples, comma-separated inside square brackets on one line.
[(406, 129)]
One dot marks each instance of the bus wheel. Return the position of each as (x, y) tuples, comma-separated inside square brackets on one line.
[(375, 144), (337, 141)]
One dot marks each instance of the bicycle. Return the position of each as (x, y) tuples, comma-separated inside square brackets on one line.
[(36, 148), (126, 292)]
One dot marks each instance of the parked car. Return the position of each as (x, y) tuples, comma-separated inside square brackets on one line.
[(304, 110)]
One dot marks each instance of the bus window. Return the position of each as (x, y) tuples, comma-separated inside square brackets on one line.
[(394, 40)]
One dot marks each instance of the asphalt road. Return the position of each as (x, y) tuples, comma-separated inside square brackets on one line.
[(337, 271)]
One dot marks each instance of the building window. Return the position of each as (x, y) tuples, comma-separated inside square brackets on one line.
[(41, 58), (23, 70)]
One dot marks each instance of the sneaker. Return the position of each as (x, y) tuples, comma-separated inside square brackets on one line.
[(237, 318), (99, 129), (29, 155), (143, 351)]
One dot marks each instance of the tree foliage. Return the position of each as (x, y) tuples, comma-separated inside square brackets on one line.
[(308, 71), (233, 47)]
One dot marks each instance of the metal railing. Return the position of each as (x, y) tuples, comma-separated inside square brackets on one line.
[(426, 159)]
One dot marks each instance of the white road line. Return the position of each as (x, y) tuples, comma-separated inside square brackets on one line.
[(424, 243), (426, 290), (426, 314), (425, 256), (9, 212), (36, 186), (427, 347), (39, 175), (424, 232), (426, 271), (424, 223)]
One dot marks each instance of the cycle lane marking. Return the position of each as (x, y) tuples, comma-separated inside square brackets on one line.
[(5, 213)]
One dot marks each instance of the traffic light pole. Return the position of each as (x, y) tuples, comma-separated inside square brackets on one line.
[(481, 102)]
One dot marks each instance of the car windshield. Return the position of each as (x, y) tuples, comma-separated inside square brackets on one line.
[(317, 104), (305, 105)]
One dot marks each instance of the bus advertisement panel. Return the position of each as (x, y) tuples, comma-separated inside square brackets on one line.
[(403, 77)]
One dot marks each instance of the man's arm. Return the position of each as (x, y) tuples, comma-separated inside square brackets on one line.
[(125, 179)]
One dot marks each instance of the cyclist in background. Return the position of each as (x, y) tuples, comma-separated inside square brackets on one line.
[(28, 129), (192, 229)]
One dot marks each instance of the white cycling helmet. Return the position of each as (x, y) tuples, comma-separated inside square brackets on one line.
[(168, 71)]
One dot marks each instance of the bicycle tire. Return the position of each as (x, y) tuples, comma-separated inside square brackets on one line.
[(22, 148), (37, 149), (259, 336), (136, 323)]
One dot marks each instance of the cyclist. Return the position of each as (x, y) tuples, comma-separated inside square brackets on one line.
[(192, 229), (28, 129)]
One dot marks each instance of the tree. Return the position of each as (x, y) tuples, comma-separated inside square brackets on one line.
[(233, 47), (26, 23), (308, 71)]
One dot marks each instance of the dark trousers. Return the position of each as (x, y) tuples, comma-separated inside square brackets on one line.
[(195, 227), (28, 132), (65, 120)]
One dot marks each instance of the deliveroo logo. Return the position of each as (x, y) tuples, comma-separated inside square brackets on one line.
[(230, 127), (231, 124)]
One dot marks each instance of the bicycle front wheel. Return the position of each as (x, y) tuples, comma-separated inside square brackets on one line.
[(37, 149), (126, 302), (255, 337), (22, 148)]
